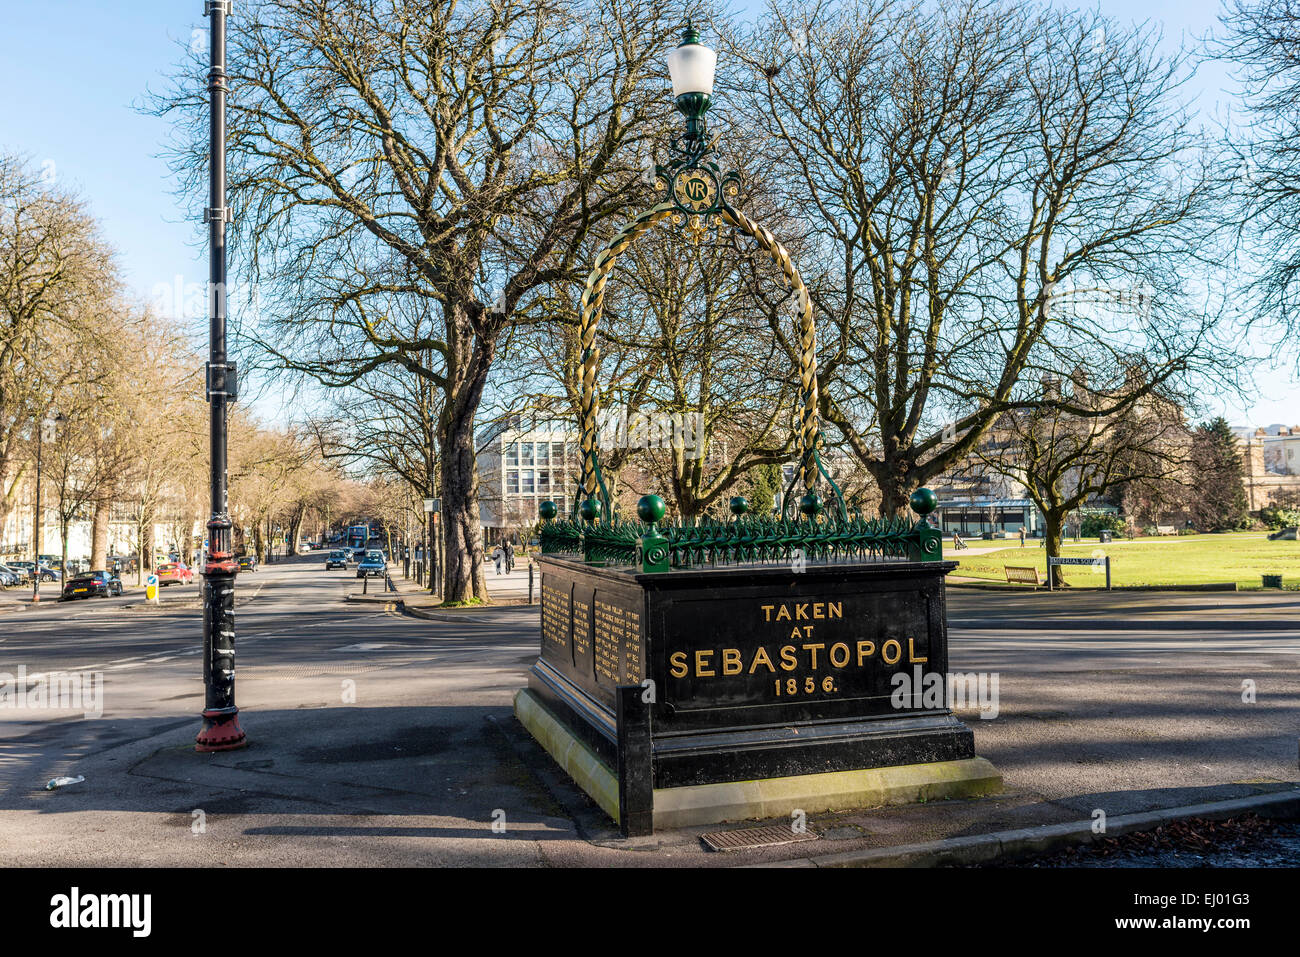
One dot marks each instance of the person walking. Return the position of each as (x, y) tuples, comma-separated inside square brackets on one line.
[(1022, 536), (498, 557)]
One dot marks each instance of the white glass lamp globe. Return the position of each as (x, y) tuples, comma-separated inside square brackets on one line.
[(692, 65)]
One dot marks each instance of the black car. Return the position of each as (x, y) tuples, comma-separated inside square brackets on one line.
[(248, 562), (99, 583), (337, 558)]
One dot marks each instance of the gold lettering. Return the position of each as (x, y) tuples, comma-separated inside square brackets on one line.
[(761, 656), (911, 651), (702, 659), (801, 611), (819, 609), (865, 650), (835, 609), (814, 649), (767, 611), (678, 662), (783, 612), (788, 660), (884, 651), (797, 633), (731, 664), (840, 646)]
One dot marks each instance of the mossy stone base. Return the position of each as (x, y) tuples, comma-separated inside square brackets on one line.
[(766, 798)]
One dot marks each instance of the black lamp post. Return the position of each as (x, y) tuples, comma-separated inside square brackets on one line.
[(221, 730)]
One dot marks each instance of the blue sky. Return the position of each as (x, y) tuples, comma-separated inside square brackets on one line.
[(72, 70)]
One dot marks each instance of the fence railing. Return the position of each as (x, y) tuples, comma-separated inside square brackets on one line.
[(745, 540)]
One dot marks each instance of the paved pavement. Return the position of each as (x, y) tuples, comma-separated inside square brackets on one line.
[(382, 738)]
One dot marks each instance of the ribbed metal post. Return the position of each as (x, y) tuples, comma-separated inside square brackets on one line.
[(221, 730)]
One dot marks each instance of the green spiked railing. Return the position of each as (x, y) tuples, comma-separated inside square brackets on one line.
[(746, 539)]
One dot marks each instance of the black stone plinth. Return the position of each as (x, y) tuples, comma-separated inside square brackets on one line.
[(748, 671)]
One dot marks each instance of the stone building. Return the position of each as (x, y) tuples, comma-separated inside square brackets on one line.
[(1270, 460)]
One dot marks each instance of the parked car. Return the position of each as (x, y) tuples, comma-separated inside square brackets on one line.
[(98, 583), (337, 558), (173, 573), (10, 576), (24, 575), (47, 574), (372, 564), (248, 562)]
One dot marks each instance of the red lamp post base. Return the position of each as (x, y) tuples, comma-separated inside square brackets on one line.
[(221, 732)]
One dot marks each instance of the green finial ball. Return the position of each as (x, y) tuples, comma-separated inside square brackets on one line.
[(739, 505), (650, 509), (923, 501), (810, 504), (548, 510), (589, 510)]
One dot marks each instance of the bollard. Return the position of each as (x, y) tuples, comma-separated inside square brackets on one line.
[(365, 582), (530, 583)]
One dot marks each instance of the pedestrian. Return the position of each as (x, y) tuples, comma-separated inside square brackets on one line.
[(1022, 536), (498, 557), (510, 555)]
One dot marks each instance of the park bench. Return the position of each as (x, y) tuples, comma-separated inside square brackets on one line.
[(1166, 530), (1021, 575)]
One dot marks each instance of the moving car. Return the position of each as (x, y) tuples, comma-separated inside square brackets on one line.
[(174, 573), (372, 565), (337, 558), (248, 562), (99, 583)]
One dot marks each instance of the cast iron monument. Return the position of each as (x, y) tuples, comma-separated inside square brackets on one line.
[(695, 673)]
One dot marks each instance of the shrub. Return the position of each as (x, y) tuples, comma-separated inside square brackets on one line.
[(1279, 516), (1096, 524)]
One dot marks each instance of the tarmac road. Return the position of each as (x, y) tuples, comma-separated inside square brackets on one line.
[(379, 738)]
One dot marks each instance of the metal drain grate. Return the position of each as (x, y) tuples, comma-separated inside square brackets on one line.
[(747, 838)]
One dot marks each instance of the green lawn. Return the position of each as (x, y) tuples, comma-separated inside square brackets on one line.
[(1241, 557)]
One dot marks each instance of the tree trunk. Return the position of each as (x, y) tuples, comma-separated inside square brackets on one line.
[(1053, 524), (462, 571), (892, 475), (295, 530), (99, 536), (9, 493)]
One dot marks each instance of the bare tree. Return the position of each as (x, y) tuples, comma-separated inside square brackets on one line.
[(965, 167), (55, 268), (1066, 461), (454, 155), (1263, 41)]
